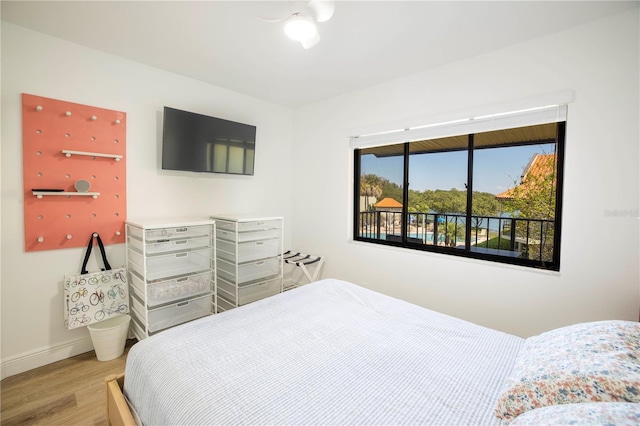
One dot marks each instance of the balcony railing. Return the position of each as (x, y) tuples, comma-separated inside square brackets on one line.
[(503, 236)]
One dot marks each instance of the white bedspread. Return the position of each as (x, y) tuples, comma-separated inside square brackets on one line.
[(328, 353)]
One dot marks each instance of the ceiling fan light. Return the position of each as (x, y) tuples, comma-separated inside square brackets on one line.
[(300, 28), (323, 9), (307, 44)]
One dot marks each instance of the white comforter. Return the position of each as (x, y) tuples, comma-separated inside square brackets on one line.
[(328, 353)]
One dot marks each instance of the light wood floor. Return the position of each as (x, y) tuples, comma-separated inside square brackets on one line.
[(65, 393)]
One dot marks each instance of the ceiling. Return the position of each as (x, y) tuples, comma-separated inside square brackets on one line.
[(365, 43)]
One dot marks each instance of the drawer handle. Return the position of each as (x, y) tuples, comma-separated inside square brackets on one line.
[(181, 280), (259, 243), (260, 263), (183, 304), (182, 229), (182, 254), (182, 242), (260, 223)]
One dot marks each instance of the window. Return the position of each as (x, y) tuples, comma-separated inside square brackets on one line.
[(494, 194)]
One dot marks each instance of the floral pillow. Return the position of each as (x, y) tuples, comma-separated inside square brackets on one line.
[(588, 413), (587, 362)]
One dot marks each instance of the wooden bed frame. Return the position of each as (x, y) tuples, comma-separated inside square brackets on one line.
[(118, 413)]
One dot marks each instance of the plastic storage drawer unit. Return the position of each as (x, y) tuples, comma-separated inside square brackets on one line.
[(248, 293), (172, 269), (171, 315), (250, 225), (249, 236), (171, 265), (177, 233), (249, 251), (251, 271), (249, 262), (169, 246), (163, 292)]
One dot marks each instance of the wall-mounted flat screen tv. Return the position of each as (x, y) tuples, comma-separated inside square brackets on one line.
[(199, 143)]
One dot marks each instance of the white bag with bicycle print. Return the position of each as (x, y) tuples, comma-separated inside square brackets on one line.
[(97, 296)]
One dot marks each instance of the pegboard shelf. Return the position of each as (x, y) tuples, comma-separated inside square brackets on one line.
[(69, 153), (69, 149), (41, 194)]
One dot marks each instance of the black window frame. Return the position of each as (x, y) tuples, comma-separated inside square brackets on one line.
[(553, 265)]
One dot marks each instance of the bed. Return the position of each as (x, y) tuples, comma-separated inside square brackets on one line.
[(334, 353)]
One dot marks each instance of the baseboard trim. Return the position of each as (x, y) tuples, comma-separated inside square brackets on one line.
[(39, 357)]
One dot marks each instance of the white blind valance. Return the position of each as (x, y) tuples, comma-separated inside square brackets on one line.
[(482, 123)]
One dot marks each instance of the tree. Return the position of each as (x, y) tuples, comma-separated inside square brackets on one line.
[(391, 190), (484, 204), (370, 186), (454, 232), (535, 198), (418, 202), (452, 201)]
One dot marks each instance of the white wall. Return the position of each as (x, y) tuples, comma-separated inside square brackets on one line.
[(31, 308), (599, 276)]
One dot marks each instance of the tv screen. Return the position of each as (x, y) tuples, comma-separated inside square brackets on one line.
[(199, 143)]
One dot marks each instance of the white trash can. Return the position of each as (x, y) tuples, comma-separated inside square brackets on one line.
[(109, 337)]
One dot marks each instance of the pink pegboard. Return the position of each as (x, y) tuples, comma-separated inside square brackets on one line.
[(62, 143)]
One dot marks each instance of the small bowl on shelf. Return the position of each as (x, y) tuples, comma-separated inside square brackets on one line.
[(82, 185)]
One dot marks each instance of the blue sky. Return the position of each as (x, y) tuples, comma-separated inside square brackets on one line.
[(495, 170)]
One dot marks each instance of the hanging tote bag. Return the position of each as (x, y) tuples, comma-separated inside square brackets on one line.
[(96, 296)]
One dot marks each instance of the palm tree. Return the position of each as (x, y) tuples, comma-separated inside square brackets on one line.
[(370, 186)]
